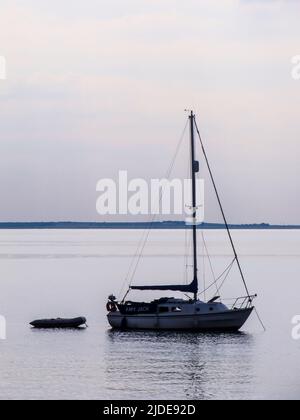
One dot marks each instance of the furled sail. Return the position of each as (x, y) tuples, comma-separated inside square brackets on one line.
[(185, 288)]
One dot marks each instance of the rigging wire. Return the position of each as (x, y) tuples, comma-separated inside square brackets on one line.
[(225, 221), (226, 276), (227, 271), (222, 210), (259, 319), (145, 236), (210, 263)]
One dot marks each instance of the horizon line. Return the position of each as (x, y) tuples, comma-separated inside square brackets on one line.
[(121, 224)]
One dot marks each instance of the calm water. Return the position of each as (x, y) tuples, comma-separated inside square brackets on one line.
[(71, 273)]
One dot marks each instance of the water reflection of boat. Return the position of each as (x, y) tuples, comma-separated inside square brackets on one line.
[(181, 364)]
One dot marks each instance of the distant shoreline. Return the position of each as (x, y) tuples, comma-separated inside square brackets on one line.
[(138, 225)]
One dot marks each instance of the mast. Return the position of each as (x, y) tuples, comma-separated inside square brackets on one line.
[(195, 169), (193, 286)]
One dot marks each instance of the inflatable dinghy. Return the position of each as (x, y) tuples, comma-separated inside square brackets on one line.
[(59, 323)]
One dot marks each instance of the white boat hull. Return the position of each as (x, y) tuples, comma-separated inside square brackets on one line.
[(230, 320)]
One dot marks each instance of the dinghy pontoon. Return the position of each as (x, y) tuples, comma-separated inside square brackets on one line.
[(59, 323)]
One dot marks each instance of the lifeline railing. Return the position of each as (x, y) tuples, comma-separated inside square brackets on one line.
[(243, 302)]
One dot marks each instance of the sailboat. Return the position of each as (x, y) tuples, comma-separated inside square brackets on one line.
[(188, 313)]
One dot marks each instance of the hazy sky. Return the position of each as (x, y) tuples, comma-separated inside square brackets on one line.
[(97, 86)]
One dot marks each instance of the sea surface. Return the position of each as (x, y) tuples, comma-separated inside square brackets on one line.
[(68, 273)]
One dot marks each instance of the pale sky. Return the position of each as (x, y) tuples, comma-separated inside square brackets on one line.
[(97, 86)]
